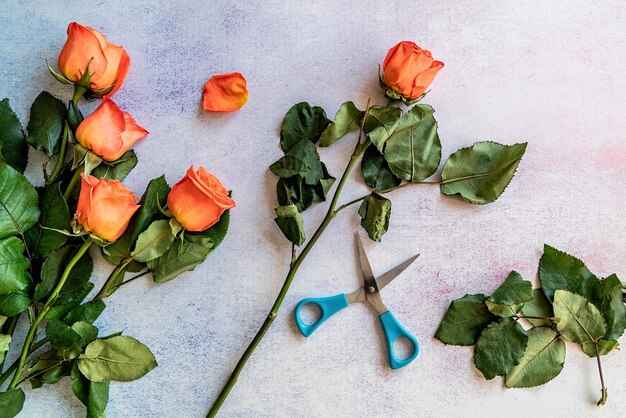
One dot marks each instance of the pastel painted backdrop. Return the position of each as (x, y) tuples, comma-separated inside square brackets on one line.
[(550, 73)]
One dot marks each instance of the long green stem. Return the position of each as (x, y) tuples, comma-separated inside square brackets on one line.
[(53, 295), (360, 148), (604, 392), (73, 182), (78, 93), (13, 366)]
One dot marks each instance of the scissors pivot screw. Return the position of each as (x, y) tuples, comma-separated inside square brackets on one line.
[(371, 289)]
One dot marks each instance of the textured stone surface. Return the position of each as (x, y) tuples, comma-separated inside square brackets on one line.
[(543, 72)]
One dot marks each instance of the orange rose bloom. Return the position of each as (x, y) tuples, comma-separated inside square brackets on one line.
[(109, 132), (225, 93), (108, 63), (105, 207), (409, 69), (198, 200)]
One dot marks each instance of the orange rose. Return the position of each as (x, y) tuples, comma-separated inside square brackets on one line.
[(225, 93), (108, 63), (109, 132), (198, 200), (105, 207), (408, 70)]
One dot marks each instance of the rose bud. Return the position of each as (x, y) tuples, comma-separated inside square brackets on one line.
[(225, 93), (109, 132), (86, 47), (198, 200), (105, 207), (408, 70)]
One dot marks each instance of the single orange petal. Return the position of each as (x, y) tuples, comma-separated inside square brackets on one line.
[(225, 93)]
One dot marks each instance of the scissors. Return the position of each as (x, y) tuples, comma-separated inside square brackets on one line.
[(370, 292)]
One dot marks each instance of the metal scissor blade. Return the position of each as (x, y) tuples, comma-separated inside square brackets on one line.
[(366, 269), (386, 278)]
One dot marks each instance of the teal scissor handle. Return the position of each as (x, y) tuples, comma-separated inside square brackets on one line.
[(329, 306), (393, 331)]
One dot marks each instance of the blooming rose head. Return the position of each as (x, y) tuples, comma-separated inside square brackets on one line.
[(86, 47), (105, 207), (408, 70), (225, 93), (109, 132), (198, 200)]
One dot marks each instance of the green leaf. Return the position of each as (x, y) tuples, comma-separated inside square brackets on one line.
[(413, 151), (13, 266), (11, 402), (87, 312), (514, 290), (19, 208), (90, 163), (559, 270), (294, 190), (538, 306), (542, 361), (302, 122), (62, 335), (13, 145), (604, 347), (291, 223), (464, 321), (118, 169), (94, 395), (376, 171), (5, 342), (52, 270), (215, 234), (504, 311), (500, 347), (54, 214), (153, 242), (380, 123), (612, 307), (301, 159), (154, 197), (74, 115), (47, 119), (182, 256), (52, 366), (118, 358), (578, 320), (375, 212), (347, 119), (13, 303), (480, 173)]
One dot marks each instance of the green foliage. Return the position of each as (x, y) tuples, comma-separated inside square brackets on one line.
[(118, 169), (13, 145), (74, 116), (62, 335), (15, 282), (413, 151), (77, 281), (542, 361), (375, 212), (54, 215), (94, 395), (290, 223), (153, 242), (11, 402), (464, 321), (480, 173), (376, 171), (87, 312), (47, 119), (347, 119), (302, 159), (182, 256), (119, 358), (380, 123), (572, 304), (500, 347), (19, 208), (302, 122)]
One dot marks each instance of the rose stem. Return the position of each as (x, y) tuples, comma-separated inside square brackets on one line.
[(53, 295), (358, 151), (78, 93), (73, 182)]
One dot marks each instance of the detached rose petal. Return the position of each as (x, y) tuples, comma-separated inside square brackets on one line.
[(108, 63), (105, 207), (109, 131), (225, 93), (198, 200)]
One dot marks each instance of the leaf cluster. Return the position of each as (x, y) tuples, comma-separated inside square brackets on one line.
[(572, 304)]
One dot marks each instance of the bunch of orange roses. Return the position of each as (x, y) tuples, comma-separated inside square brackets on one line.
[(46, 232)]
